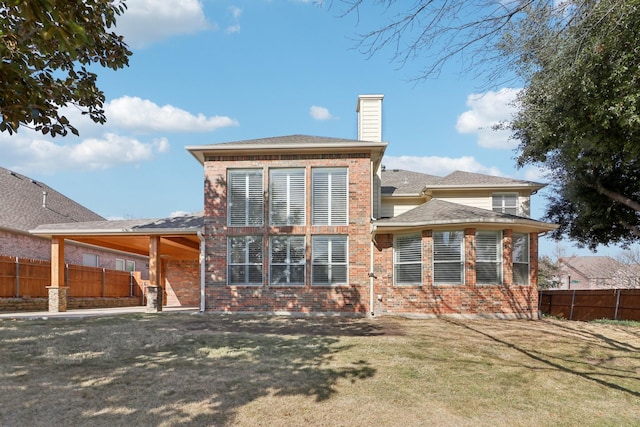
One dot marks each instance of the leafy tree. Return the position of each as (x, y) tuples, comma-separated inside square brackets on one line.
[(548, 273), (579, 118), (47, 47)]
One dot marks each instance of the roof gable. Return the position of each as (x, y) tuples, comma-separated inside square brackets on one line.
[(26, 203)]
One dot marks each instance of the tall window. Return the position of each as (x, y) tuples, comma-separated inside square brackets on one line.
[(245, 197), (287, 263), (407, 260), (330, 196), (329, 260), (448, 250), (520, 259), (505, 203), (488, 257), (244, 260), (287, 196)]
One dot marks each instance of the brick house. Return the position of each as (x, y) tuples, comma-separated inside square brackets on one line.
[(597, 272), (305, 224), (26, 203)]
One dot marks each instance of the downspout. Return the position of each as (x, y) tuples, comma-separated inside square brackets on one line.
[(371, 247), (202, 272)]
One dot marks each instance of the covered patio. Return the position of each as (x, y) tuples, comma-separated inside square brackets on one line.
[(169, 243)]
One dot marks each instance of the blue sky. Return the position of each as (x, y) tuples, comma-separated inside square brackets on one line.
[(213, 71)]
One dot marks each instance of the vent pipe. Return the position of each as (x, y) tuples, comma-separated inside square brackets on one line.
[(44, 199)]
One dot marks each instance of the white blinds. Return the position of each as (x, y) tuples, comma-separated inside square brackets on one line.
[(287, 196), (245, 197), (330, 196)]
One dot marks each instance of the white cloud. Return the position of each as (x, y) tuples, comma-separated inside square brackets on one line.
[(235, 27), (29, 153), (147, 21), (143, 115), (439, 166), (487, 110), (320, 113)]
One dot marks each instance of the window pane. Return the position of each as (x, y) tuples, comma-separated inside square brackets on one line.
[(330, 196), (408, 259), (245, 197), (448, 247), (244, 260), (287, 196), (329, 260), (521, 274), (520, 259), (505, 203), (488, 257), (287, 260)]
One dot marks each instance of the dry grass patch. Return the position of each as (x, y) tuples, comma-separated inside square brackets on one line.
[(183, 369)]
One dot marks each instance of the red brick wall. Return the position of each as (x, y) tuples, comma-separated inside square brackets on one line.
[(182, 282), (32, 247), (303, 299), (505, 300)]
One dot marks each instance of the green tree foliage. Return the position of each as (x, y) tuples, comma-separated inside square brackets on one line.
[(47, 48), (579, 118)]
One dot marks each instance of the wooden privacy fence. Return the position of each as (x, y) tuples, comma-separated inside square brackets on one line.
[(27, 278), (592, 304)]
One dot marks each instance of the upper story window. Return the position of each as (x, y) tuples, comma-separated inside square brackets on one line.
[(245, 197), (505, 203), (287, 196), (489, 257), (520, 259), (330, 196), (329, 260), (407, 259), (448, 257)]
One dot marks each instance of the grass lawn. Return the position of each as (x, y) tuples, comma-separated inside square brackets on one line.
[(175, 369)]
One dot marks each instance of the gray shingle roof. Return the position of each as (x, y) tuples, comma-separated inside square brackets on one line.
[(287, 140), (440, 212), (21, 204), (402, 182), (468, 178)]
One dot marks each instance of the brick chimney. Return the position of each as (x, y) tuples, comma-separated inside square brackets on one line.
[(369, 111)]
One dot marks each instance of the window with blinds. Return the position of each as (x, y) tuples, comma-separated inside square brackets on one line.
[(244, 260), (287, 260), (245, 197), (287, 196), (330, 196), (505, 203), (329, 260), (520, 259), (448, 257), (489, 257), (407, 259)]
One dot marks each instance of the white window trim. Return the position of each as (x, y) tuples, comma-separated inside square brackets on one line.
[(288, 264), (498, 260), (290, 197), (330, 197), (247, 190), (330, 264), (461, 262), (503, 206), (247, 262)]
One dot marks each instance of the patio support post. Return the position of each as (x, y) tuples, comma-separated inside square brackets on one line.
[(57, 290), (154, 290)]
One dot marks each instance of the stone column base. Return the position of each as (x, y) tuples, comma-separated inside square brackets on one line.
[(57, 299), (154, 299)]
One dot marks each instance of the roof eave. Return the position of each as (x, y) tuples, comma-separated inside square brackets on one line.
[(115, 232), (381, 227)]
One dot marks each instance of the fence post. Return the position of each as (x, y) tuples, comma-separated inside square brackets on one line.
[(573, 299), (615, 314), (131, 284), (104, 282), (17, 277)]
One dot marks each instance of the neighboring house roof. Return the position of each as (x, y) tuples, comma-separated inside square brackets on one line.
[(398, 182), (289, 144), (592, 267), (443, 213), (26, 203)]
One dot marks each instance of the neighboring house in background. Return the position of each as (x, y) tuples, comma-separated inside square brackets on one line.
[(597, 272), (26, 203), (305, 224)]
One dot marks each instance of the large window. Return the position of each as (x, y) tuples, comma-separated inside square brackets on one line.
[(244, 260), (90, 260), (329, 260), (448, 257), (330, 196), (488, 257), (245, 197), (287, 260), (287, 196), (505, 203), (520, 259), (407, 259)]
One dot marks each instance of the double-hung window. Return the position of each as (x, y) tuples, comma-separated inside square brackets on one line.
[(330, 196), (407, 259), (448, 257), (520, 259), (489, 257), (245, 197), (244, 260), (287, 260), (287, 196), (329, 256), (505, 203)]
